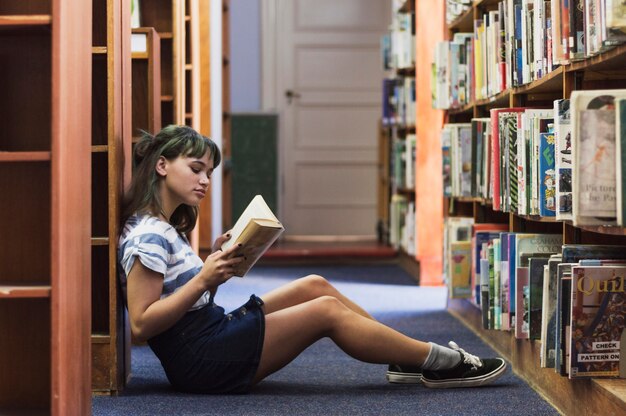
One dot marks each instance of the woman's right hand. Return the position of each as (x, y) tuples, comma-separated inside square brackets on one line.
[(219, 267)]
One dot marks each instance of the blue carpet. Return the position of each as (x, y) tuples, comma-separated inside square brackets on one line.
[(323, 380)]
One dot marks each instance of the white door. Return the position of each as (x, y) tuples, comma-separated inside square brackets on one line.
[(328, 94)]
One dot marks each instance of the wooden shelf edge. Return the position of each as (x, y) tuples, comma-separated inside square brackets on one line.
[(100, 241), (586, 396), (24, 291), (41, 156), (599, 229), (25, 20)]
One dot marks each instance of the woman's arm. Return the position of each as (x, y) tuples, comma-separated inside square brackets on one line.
[(150, 315)]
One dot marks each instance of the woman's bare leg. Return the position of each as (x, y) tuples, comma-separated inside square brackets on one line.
[(304, 290), (291, 330)]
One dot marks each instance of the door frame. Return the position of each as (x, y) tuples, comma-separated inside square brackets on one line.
[(269, 86)]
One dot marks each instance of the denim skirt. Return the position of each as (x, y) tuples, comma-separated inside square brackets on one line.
[(209, 351)]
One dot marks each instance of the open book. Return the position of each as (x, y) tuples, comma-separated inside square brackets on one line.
[(256, 229)]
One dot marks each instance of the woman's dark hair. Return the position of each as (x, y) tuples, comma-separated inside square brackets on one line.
[(171, 142)]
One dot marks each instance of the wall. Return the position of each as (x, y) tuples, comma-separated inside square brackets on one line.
[(245, 56)]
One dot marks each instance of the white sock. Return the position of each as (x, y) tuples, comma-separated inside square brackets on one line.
[(441, 358)]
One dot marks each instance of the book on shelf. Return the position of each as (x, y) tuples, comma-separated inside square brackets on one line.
[(256, 230), (594, 153), (482, 233), (505, 308), (500, 131), (598, 308), (459, 285), (563, 159), (521, 303), (548, 317), (564, 319), (535, 281), (620, 155), (547, 186), (529, 243)]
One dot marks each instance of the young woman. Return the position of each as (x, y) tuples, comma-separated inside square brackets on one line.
[(170, 293)]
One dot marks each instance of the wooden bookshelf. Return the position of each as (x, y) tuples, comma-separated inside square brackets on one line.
[(391, 133), (604, 70), (44, 317), (177, 23), (146, 81), (110, 158)]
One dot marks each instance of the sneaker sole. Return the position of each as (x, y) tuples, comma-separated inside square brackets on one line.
[(466, 382), (403, 378)]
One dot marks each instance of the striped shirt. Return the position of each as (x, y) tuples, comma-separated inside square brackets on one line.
[(162, 249)]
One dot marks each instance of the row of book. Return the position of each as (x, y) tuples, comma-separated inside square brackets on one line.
[(402, 223), (564, 162), (521, 41), (571, 298), (398, 103), (402, 163), (398, 44)]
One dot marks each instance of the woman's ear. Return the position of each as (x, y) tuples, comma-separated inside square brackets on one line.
[(161, 166)]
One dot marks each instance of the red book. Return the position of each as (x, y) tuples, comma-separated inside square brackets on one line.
[(496, 145)]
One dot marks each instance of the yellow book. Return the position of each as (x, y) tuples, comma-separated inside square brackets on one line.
[(256, 230)]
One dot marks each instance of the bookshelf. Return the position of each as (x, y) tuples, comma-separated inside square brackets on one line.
[(110, 154), (602, 70), (177, 23), (146, 81), (45, 174), (396, 138)]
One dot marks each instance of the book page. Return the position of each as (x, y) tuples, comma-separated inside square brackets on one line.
[(258, 209)]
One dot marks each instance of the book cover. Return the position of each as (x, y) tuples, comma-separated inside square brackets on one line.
[(562, 270), (548, 323), (536, 273), (505, 308), (563, 159), (484, 291), (521, 320), (531, 243), (593, 145), (565, 322), (573, 253), (496, 145), (256, 230), (494, 287), (491, 304), (547, 185), (460, 270), (620, 155), (598, 311)]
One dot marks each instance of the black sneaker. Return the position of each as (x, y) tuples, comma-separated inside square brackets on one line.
[(470, 372), (404, 374)]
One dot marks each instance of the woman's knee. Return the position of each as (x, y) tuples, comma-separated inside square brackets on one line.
[(331, 308), (318, 285)]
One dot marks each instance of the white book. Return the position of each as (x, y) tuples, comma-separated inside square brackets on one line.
[(593, 145), (256, 230)]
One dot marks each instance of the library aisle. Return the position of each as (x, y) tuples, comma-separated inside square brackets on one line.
[(325, 381)]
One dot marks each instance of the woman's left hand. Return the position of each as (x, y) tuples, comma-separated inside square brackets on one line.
[(217, 245)]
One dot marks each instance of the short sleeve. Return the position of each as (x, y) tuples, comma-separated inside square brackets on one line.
[(152, 249)]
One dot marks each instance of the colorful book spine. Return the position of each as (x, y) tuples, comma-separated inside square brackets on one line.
[(547, 185)]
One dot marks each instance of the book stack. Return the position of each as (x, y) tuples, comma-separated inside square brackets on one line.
[(564, 162), (522, 41), (571, 298)]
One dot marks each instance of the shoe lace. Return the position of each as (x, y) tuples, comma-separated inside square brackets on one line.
[(467, 357)]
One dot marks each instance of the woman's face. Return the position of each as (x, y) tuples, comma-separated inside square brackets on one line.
[(186, 179)]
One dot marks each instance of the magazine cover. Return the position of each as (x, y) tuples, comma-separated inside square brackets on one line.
[(598, 315)]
